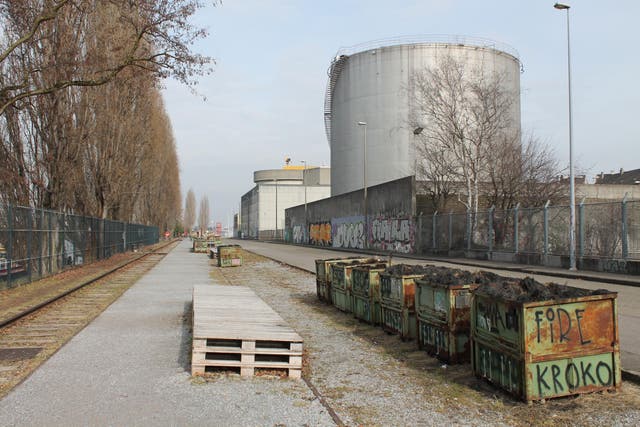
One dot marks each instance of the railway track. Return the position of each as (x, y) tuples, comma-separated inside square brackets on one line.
[(36, 332)]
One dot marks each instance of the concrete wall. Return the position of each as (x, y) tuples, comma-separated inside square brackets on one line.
[(607, 191), (340, 221)]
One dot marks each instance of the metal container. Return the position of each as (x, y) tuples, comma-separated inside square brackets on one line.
[(200, 245), (443, 308), (397, 299), (229, 256), (365, 290), (544, 341), (372, 82), (341, 281), (323, 276)]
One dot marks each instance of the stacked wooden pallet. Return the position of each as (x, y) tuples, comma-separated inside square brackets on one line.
[(234, 329)]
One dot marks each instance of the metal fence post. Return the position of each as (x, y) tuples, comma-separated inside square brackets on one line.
[(50, 249), (515, 229), (581, 228), (545, 231), (29, 239), (450, 228), (9, 243), (490, 229), (433, 230), (625, 241)]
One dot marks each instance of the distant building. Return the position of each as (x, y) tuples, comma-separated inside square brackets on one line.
[(612, 186), (262, 208), (622, 177)]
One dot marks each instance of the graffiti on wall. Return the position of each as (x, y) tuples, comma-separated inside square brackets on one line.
[(348, 232), (298, 234), (320, 234), (392, 234)]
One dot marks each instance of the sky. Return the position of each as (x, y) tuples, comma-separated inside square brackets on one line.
[(265, 98)]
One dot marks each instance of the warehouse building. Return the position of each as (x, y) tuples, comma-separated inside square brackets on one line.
[(262, 208)]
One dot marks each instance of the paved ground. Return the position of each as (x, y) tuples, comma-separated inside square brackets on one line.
[(628, 296), (131, 367)]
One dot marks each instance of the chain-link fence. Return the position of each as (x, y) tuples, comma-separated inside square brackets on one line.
[(603, 230), (36, 243)]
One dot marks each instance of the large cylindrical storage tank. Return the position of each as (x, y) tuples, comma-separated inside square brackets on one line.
[(371, 84)]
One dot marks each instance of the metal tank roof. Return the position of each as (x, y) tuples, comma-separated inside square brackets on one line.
[(343, 54)]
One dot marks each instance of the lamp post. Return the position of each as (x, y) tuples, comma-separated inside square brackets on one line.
[(304, 182), (364, 182), (572, 190)]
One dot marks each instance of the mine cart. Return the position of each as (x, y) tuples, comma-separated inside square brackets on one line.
[(397, 294), (341, 281), (542, 341), (323, 276), (365, 289), (229, 256)]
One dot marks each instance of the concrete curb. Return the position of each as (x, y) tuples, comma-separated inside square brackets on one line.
[(631, 376)]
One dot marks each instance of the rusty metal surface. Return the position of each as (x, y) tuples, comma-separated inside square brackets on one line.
[(398, 291), (557, 348), (365, 280), (400, 321), (229, 256), (444, 319)]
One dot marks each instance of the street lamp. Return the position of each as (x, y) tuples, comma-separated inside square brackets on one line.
[(364, 180), (572, 190), (304, 182)]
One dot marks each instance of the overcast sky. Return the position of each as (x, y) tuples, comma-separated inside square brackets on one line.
[(265, 97)]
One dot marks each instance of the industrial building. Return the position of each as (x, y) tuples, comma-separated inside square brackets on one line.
[(369, 102), (262, 208)]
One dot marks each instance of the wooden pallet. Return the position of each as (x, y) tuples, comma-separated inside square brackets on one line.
[(234, 329)]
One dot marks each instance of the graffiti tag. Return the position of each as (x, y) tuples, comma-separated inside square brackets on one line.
[(298, 234), (392, 234), (320, 234), (348, 233)]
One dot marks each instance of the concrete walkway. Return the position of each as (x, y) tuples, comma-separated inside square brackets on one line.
[(131, 367)]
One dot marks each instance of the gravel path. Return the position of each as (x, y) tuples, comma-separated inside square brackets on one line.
[(131, 367), (372, 378)]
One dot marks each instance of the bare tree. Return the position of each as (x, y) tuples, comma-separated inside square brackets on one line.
[(159, 42), (190, 210), (203, 216), (464, 111)]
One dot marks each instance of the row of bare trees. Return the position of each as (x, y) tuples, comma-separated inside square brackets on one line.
[(83, 128), (204, 212), (469, 147)]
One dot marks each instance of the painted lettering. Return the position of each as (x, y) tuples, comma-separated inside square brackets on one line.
[(599, 368), (564, 333), (570, 374), (579, 313), (541, 381), (559, 324), (586, 373), (557, 377)]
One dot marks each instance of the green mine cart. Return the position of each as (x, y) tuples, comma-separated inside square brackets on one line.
[(365, 292), (229, 256), (341, 281), (323, 276), (543, 341)]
